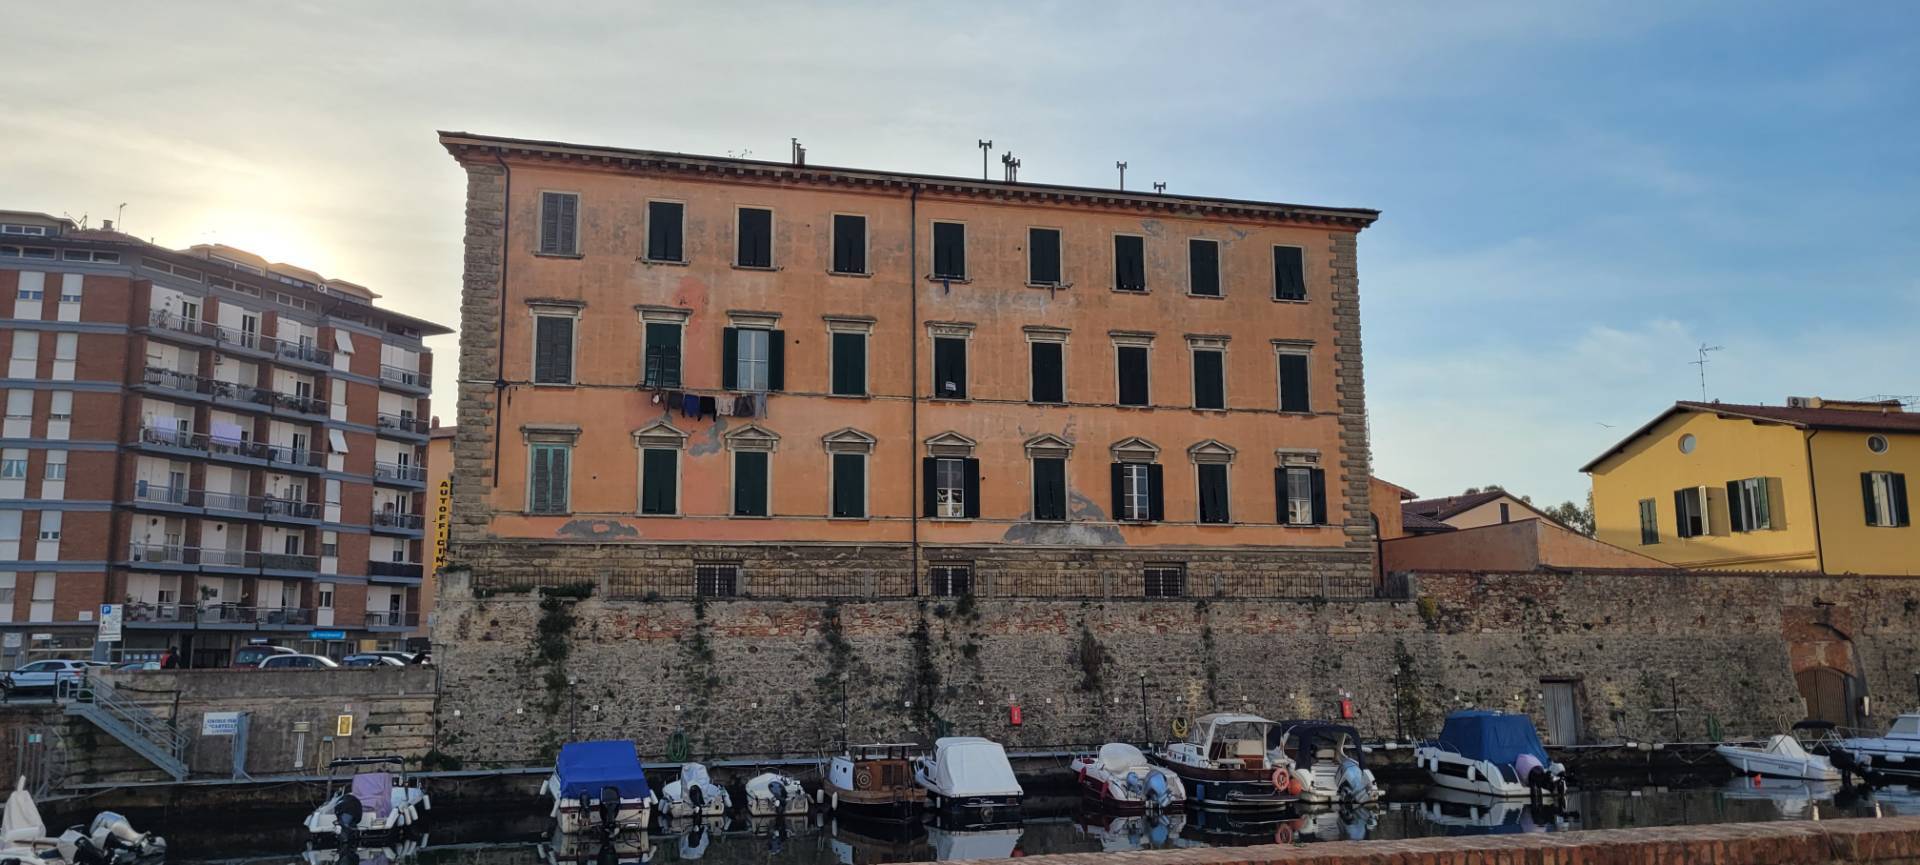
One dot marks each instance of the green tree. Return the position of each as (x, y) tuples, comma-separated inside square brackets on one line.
[(1576, 517)]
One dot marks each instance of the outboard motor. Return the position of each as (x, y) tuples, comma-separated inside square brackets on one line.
[(696, 796), (1157, 790), (609, 808), (114, 835), (1353, 781), (347, 813), (1850, 765), (75, 847), (778, 790)]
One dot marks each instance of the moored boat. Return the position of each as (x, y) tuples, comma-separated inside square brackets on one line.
[(1325, 761), (1120, 780), (1897, 753), (694, 794), (1224, 763), (1781, 757), (875, 782), (108, 840), (968, 773), (599, 785), (1491, 754), (772, 794), (373, 804)]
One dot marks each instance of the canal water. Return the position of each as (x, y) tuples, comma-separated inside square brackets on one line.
[(1058, 824)]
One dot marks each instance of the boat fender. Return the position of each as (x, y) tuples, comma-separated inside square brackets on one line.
[(696, 796), (1283, 833)]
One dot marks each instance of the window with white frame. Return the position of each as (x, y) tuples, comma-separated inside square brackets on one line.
[(1137, 491), (60, 415), (48, 549), (950, 500), (70, 285), (43, 589), (752, 365), (1885, 496), (56, 469), (24, 362), (1749, 507), (7, 582), (19, 420), (31, 291), (1690, 512), (66, 353)]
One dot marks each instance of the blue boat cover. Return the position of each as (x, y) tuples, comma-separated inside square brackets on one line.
[(1493, 736), (586, 767)]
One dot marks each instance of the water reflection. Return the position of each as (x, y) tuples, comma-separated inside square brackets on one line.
[(1052, 825)]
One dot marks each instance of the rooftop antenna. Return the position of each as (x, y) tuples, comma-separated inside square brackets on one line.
[(1012, 164), (120, 216), (1702, 364), (1123, 174), (986, 144), (799, 152), (1159, 186)]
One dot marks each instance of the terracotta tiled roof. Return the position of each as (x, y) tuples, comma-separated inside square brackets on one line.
[(1442, 508), (1891, 420), (1421, 524)]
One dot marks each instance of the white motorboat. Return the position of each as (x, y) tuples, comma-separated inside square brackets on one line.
[(1460, 813), (1225, 763), (1324, 760), (1492, 754), (108, 839), (601, 786), (969, 773), (1781, 757), (373, 804), (992, 842), (1896, 753), (1120, 780), (694, 794), (1120, 833), (1794, 798), (576, 848), (772, 794)]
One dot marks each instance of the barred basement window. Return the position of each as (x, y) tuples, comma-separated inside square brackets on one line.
[(716, 581), (950, 580), (1166, 581)]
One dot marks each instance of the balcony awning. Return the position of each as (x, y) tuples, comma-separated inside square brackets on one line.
[(338, 438)]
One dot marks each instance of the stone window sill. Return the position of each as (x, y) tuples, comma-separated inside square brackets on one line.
[(1139, 291), (661, 261), (855, 274), (1206, 296), (961, 280), (538, 254), (1289, 300), (768, 269)]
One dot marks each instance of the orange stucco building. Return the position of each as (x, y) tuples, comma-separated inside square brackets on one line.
[(938, 385)]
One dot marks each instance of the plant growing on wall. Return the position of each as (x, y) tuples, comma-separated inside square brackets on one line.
[(1409, 710), (697, 674), (926, 675), (552, 644)]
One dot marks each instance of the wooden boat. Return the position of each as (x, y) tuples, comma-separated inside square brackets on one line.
[(1224, 763), (874, 782)]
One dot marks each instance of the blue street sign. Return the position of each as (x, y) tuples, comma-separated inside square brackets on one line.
[(327, 635)]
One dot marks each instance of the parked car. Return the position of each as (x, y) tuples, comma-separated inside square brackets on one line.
[(249, 657), (371, 659), (404, 658), (298, 662), (42, 676), (137, 666)]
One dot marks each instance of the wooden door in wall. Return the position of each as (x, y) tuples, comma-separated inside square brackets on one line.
[(1825, 690), (1563, 713)]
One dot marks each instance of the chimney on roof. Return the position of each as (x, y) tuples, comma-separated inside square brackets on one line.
[(106, 225), (799, 152)]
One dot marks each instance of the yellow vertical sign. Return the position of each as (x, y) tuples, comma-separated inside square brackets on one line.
[(343, 726), (442, 511)]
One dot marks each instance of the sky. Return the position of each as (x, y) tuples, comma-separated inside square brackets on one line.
[(1575, 197)]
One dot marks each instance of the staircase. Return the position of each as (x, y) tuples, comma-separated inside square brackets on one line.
[(146, 733)]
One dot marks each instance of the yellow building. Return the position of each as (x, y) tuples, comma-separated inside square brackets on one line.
[(1817, 485)]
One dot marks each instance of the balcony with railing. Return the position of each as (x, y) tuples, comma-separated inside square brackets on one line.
[(177, 382), (377, 619), (393, 521), (298, 404), (289, 562), (403, 424), (277, 508), (400, 473), (154, 615), (163, 555), (216, 613), (299, 458), (395, 570), (166, 498), (173, 323), (409, 378), (221, 557), (302, 352), (251, 397)]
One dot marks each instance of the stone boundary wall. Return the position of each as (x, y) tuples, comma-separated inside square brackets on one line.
[(1891, 840), (523, 673)]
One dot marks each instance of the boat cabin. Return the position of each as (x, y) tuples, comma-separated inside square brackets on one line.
[(1905, 727), (875, 768), (1225, 741), (1311, 743)]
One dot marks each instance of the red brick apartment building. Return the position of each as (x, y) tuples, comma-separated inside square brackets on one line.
[(234, 449)]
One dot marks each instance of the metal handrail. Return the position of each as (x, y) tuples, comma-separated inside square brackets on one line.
[(402, 375), (145, 723)]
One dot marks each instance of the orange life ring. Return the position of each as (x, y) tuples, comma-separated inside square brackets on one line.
[(1283, 833), (1284, 781)]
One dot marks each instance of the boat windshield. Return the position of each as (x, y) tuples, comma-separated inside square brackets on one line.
[(1905, 727), (1230, 731)]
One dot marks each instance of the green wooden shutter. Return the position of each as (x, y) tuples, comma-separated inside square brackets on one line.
[(1280, 496), (849, 485), (553, 349), (949, 250), (1043, 256), (1119, 477), (1133, 374), (569, 224), (1213, 493), (1317, 481), (1898, 482), (1289, 278), (850, 364), (777, 360), (755, 237), (1049, 489), (660, 490), (1129, 263), (1156, 489), (1209, 388), (1736, 507), (539, 500), (750, 484), (970, 488), (929, 486), (549, 222), (1293, 383), (730, 358), (1866, 497)]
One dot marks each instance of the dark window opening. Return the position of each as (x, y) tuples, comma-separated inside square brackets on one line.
[(1043, 256), (755, 237), (949, 250), (1213, 493), (949, 367), (1203, 267), (1165, 581), (1289, 273), (1690, 512), (950, 488), (1885, 496), (665, 225), (659, 481), (1129, 263), (850, 485), (1046, 361), (950, 580), (849, 244), (1293, 383), (1132, 361)]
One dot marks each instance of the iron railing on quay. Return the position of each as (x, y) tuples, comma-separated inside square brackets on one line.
[(724, 582)]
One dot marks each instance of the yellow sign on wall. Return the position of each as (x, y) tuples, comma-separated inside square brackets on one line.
[(443, 509), (343, 726)]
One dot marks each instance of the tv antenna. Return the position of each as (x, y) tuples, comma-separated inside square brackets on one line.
[(1123, 173), (986, 144), (1702, 364)]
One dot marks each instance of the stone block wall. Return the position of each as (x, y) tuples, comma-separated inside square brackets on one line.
[(523, 673)]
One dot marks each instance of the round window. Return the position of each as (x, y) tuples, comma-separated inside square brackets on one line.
[(1688, 443), (1877, 443)]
